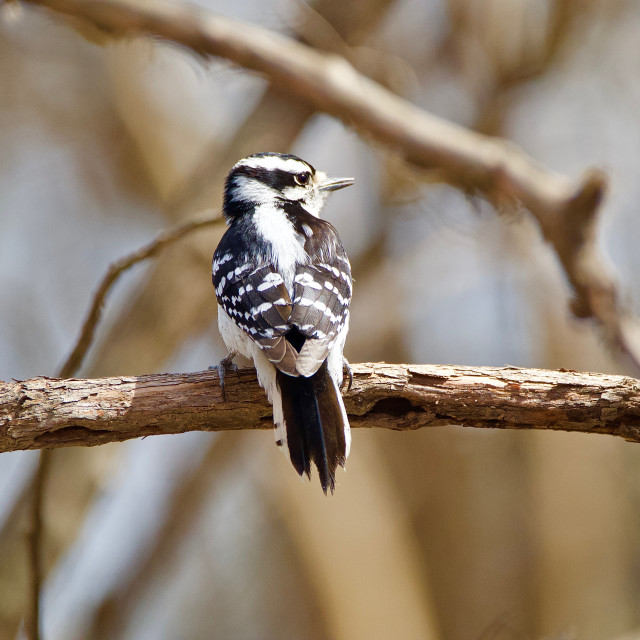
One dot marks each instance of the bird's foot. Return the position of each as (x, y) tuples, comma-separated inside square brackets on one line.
[(347, 366), (225, 364)]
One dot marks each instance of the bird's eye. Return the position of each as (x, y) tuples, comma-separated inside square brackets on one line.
[(303, 178)]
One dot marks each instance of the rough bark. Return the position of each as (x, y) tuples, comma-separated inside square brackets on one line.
[(46, 412)]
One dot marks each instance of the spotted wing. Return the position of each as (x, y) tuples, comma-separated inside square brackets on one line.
[(322, 293), (257, 300)]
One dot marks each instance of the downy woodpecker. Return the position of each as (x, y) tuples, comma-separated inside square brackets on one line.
[(283, 284)]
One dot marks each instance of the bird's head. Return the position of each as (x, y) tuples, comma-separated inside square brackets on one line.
[(277, 179)]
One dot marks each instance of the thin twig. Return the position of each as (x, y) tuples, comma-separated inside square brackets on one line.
[(35, 543), (68, 369), (77, 355), (186, 501)]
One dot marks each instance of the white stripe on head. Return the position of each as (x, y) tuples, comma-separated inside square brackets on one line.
[(292, 165)]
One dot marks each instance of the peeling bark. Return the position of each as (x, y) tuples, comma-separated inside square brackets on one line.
[(47, 412)]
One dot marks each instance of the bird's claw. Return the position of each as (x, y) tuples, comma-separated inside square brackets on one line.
[(225, 364), (347, 366)]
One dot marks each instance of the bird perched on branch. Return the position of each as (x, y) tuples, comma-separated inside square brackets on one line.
[(283, 285)]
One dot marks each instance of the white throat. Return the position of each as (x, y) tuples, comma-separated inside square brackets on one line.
[(286, 246)]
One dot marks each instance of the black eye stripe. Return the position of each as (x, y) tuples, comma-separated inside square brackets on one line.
[(275, 178)]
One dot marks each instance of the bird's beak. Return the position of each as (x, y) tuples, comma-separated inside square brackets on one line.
[(333, 184)]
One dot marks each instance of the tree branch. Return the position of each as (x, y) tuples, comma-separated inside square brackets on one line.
[(331, 84), (47, 412)]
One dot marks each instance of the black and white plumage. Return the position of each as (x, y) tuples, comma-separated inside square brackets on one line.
[(283, 284)]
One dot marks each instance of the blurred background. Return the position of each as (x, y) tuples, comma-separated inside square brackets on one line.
[(444, 533)]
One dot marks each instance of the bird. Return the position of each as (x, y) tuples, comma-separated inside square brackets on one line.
[(283, 285)]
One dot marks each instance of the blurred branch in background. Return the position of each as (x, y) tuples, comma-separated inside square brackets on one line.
[(46, 412), (32, 620), (187, 502), (69, 368), (528, 53), (566, 212), (77, 355)]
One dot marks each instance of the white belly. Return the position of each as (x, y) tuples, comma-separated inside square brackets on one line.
[(234, 337)]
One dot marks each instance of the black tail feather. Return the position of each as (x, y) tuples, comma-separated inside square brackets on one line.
[(314, 424)]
